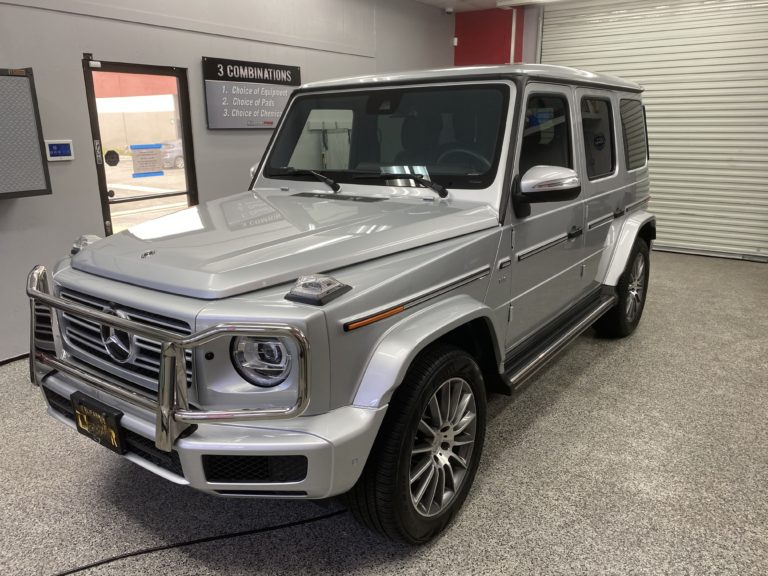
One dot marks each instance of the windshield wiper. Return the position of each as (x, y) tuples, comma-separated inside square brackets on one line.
[(290, 171), (439, 188)]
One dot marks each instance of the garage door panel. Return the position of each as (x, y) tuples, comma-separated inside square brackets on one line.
[(704, 66)]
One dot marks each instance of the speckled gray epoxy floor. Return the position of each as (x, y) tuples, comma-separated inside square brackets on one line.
[(642, 456)]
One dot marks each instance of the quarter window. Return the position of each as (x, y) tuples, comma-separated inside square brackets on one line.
[(546, 134), (633, 131), (597, 125)]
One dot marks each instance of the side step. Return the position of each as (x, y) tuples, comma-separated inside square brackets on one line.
[(523, 366)]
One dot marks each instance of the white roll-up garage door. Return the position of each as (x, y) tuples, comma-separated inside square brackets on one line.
[(704, 65)]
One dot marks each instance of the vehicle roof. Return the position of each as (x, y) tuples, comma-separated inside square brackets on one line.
[(544, 72)]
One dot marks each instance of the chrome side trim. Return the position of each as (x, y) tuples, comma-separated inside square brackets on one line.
[(172, 412), (538, 361), (420, 298), (541, 247), (441, 289), (636, 204), (602, 221)]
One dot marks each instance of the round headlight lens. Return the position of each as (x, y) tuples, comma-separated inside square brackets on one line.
[(262, 361)]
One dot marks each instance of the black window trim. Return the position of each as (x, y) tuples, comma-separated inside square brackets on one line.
[(614, 141)]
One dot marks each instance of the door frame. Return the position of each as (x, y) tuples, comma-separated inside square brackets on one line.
[(90, 64)]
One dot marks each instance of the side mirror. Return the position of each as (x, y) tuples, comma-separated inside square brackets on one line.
[(549, 184), (253, 170)]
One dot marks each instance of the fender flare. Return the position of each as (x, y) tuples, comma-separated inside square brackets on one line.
[(618, 244), (397, 349)]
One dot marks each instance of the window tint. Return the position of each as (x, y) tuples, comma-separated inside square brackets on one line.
[(546, 135), (597, 125), (633, 130)]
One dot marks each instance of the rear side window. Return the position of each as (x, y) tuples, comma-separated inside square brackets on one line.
[(633, 131), (597, 125), (546, 135)]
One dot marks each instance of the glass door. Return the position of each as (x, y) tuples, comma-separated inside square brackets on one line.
[(142, 141)]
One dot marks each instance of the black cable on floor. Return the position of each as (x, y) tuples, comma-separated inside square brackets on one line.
[(143, 551)]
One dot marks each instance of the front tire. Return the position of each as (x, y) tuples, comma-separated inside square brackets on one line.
[(426, 454), (632, 289)]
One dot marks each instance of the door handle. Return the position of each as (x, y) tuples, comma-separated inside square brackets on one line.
[(575, 232), (618, 213)]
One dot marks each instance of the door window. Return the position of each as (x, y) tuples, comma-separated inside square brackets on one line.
[(633, 131), (546, 134), (597, 126)]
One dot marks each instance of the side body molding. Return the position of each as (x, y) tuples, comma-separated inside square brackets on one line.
[(618, 244), (400, 345)]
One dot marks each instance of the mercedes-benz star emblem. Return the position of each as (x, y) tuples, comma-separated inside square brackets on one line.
[(120, 344)]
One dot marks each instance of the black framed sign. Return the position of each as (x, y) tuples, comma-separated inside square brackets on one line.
[(242, 95), (23, 164)]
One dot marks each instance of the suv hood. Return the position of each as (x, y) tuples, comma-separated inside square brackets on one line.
[(262, 238)]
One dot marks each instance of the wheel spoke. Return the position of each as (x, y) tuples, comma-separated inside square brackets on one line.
[(440, 486), (423, 449), (463, 423), (432, 489), (426, 428), (461, 410), (451, 476), (455, 397), (434, 410), (459, 459), (422, 469), (425, 485)]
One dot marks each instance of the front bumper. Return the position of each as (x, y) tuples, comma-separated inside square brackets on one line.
[(335, 445), (270, 452)]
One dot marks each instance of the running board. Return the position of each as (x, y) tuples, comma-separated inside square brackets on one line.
[(531, 362)]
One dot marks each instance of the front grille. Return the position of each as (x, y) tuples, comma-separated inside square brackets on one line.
[(43, 327), (84, 336), (135, 443), (254, 468)]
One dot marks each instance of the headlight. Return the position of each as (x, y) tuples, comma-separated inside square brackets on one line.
[(264, 362)]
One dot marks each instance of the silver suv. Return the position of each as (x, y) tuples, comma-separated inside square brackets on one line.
[(409, 242)]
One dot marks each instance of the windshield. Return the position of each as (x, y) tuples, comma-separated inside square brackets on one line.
[(449, 135)]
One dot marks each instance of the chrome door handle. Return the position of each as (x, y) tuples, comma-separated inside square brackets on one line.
[(575, 232)]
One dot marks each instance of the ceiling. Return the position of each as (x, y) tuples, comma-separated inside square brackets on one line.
[(467, 5), (462, 5)]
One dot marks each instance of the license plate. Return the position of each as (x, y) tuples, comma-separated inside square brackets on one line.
[(98, 421)]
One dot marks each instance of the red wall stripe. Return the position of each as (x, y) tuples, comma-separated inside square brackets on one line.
[(484, 37)]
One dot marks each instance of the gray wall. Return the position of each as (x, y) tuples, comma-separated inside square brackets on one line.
[(326, 38)]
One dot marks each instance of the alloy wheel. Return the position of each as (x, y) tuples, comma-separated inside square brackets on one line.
[(443, 447)]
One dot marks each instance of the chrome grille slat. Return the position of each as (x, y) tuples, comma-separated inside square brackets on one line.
[(87, 324), (84, 336)]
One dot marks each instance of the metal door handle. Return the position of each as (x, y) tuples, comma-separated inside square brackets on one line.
[(618, 213), (575, 232)]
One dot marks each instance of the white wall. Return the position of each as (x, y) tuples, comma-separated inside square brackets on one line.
[(326, 38)]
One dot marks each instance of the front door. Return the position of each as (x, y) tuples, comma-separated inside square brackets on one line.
[(142, 141), (549, 242)]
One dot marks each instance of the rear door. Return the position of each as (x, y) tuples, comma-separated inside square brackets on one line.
[(603, 188)]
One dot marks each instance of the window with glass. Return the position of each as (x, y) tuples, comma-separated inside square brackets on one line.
[(597, 126), (633, 131), (450, 135), (546, 133)]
